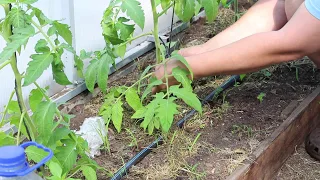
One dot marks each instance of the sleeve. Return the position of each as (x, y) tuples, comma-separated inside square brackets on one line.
[(313, 6)]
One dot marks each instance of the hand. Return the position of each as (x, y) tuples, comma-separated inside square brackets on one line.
[(160, 74)]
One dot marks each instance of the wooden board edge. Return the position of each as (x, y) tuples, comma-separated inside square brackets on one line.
[(276, 149)]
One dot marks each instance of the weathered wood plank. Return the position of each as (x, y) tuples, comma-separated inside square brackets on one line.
[(274, 151)]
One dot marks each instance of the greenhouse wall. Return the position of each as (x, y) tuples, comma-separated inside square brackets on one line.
[(84, 18)]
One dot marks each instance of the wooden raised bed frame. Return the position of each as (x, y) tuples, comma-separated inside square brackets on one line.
[(276, 149)]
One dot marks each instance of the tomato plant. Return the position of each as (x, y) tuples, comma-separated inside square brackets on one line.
[(47, 125), (157, 111)]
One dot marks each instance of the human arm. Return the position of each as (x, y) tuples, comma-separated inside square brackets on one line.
[(299, 37)]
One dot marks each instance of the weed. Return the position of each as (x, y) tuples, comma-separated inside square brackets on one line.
[(193, 172), (261, 96), (242, 129), (194, 142), (134, 142), (219, 111)]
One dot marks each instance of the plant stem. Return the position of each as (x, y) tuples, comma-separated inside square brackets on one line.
[(44, 35), (4, 64), (137, 37), (19, 129), (148, 75), (165, 10), (6, 109), (23, 108), (156, 30)]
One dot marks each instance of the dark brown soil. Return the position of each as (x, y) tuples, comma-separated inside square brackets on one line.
[(232, 126)]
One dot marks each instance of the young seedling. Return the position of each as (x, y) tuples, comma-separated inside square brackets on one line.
[(261, 96)]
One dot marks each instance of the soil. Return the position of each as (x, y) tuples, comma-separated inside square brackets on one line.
[(300, 166), (213, 145)]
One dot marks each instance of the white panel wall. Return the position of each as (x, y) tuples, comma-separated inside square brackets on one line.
[(87, 18), (84, 17), (56, 9)]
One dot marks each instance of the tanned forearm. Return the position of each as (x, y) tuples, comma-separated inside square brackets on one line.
[(247, 55)]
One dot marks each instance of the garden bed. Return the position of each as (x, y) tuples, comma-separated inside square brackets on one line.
[(214, 145)]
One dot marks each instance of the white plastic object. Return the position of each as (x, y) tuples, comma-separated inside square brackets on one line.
[(93, 130)]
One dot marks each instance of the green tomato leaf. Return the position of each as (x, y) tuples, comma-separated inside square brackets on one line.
[(120, 50), (6, 140), (178, 8), (64, 31), (153, 82), (134, 10), (15, 120), (91, 74), (224, 2), (144, 73), (188, 10), (43, 119), (34, 99), (57, 135), (150, 128), (55, 169), (36, 67), (156, 123), (165, 3), (166, 111), (184, 9), (89, 172), (7, 1), (17, 17), (133, 99), (242, 76), (43, 20), (78, 63), (150, 112), (103, 70), (41, 46), (28, 1), (117, 115), (180, 58), (187, 96), (140, 113), (68, 48), (51, 31), (125, 30), (35, 154), (13, 107), (181, 75), (110, 34), (19, 38), (67, 155), (197, 7), (59, 76), (211, 8)]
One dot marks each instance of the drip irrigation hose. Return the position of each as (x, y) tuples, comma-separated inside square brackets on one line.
[(231, 81), (142, 154), (136, 159)]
